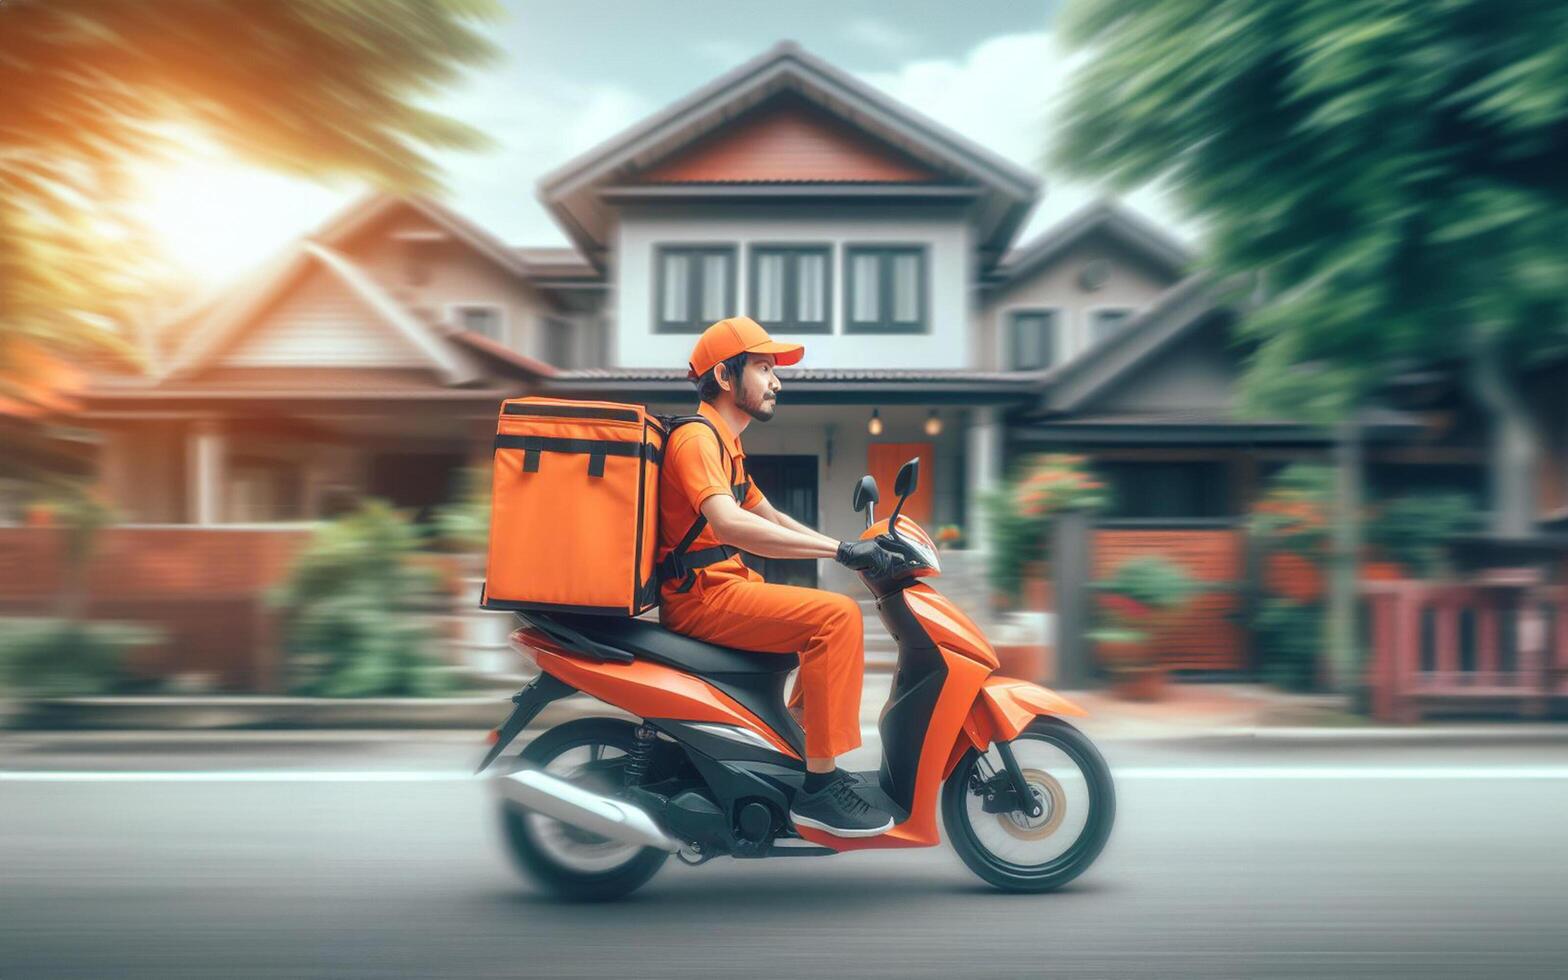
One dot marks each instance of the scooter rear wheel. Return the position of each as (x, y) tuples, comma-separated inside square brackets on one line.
[(1014, 851), (570, 862)]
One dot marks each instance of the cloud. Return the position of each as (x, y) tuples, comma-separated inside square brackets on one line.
[(536, 123), (878, 35), (1005, 95), (724, 52)]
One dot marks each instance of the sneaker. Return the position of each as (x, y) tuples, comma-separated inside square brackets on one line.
[(838, 808)]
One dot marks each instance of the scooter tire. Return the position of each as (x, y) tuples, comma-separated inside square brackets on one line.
[(1076, 860), (534, 861)]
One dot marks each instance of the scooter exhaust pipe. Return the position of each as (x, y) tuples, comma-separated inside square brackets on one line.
[(602, 815)]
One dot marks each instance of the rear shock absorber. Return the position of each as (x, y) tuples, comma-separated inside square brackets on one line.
[(640, 757)]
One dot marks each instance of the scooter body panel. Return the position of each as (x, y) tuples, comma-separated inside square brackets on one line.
[(944, 725), (649, 690)]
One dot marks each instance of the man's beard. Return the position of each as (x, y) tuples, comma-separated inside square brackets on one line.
[(764, 408)]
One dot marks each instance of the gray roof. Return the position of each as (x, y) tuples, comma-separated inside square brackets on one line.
[(1207, 426), (822, 385), (1106, 217), (1174, 314)]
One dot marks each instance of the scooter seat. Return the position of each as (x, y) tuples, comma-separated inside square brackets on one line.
[(646, 640)]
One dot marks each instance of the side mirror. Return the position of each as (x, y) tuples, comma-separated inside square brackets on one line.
[(866, 496), (903, 485)]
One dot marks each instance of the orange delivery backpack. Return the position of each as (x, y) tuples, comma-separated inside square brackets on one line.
[(574, 506)]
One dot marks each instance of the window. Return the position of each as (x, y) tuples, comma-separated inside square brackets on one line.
[(483, 320), (1181, 490), (1105, 322), (791, 288), (696, 286), (885, 289), (557, 342), (1031, 340)]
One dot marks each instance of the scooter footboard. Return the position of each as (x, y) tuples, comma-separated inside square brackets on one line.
[(1004, 707)]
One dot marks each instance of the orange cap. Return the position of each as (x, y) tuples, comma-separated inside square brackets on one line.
[(735, 335)]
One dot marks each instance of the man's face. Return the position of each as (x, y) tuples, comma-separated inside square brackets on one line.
[(756, 394)]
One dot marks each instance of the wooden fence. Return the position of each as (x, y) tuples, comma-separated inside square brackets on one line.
[(1470, 649)]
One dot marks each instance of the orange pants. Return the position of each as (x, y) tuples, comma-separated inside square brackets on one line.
[(824, 628)]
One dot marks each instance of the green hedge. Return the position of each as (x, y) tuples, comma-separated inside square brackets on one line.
[(356, 609), (46, 658)]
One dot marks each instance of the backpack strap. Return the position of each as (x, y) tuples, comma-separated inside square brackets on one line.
[(682, 563)]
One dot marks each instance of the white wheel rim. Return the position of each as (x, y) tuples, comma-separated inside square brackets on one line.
[(574, 849), (1063, 790)]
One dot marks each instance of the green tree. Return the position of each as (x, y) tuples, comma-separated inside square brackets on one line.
[(1387, 177), (308, 86)]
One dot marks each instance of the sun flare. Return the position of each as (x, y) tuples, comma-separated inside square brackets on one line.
[(215, 216)]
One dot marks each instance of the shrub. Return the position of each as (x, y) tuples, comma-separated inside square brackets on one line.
[(44, 658), (1140, 590), (1020, 514), (1414, 530), (1289, 635), (352, 605), (464, 524)]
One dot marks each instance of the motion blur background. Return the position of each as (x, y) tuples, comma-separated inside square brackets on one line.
[(1231, 337)]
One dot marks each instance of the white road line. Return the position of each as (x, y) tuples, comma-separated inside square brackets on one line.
[(236, 776), (1340, 772), (1127, 773)]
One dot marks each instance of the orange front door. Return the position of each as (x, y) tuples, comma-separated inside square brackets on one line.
[(883, 460)]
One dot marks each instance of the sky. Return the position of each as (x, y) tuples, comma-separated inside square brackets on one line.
[(575, 73)]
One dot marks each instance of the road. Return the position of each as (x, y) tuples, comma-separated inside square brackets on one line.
[(259, 857)]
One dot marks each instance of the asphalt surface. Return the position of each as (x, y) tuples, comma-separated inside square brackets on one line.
[(259, 857)]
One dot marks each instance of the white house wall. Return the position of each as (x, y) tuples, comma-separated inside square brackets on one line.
[(945, 233), (1132, 283), (453, 275), (322, 322)]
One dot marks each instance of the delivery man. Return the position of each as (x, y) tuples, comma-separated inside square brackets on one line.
[(709, 511)]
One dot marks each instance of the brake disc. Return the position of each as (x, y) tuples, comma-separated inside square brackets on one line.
[(1053, 808)]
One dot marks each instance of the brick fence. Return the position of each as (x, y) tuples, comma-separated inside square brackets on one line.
[(204, 588), (1206, 636)]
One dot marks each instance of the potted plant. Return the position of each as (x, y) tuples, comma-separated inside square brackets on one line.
[(1134, 603)]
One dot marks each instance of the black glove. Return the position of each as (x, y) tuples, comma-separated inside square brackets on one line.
[(865, 556)]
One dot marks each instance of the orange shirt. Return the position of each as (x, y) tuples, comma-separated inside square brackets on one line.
[(695, 469)]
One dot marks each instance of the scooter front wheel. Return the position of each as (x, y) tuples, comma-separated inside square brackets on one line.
[(1005, 845)]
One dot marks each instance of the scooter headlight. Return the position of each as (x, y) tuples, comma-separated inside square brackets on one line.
[(924, 553)]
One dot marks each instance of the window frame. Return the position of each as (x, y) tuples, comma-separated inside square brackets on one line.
[(1091, 314), (548, 327), (693, 286), (502, 326), (792, 322), (885, 252), (1009, 317)]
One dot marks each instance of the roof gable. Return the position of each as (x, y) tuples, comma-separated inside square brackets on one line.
[(789, 140), (573, 192), (1101, 218), (220, 329), (320, 321), (1178, 312), (362, 215)]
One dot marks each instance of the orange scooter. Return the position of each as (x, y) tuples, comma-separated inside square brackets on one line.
[(592, 808)]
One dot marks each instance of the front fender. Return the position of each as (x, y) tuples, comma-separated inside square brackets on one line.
[(1004, 707)]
